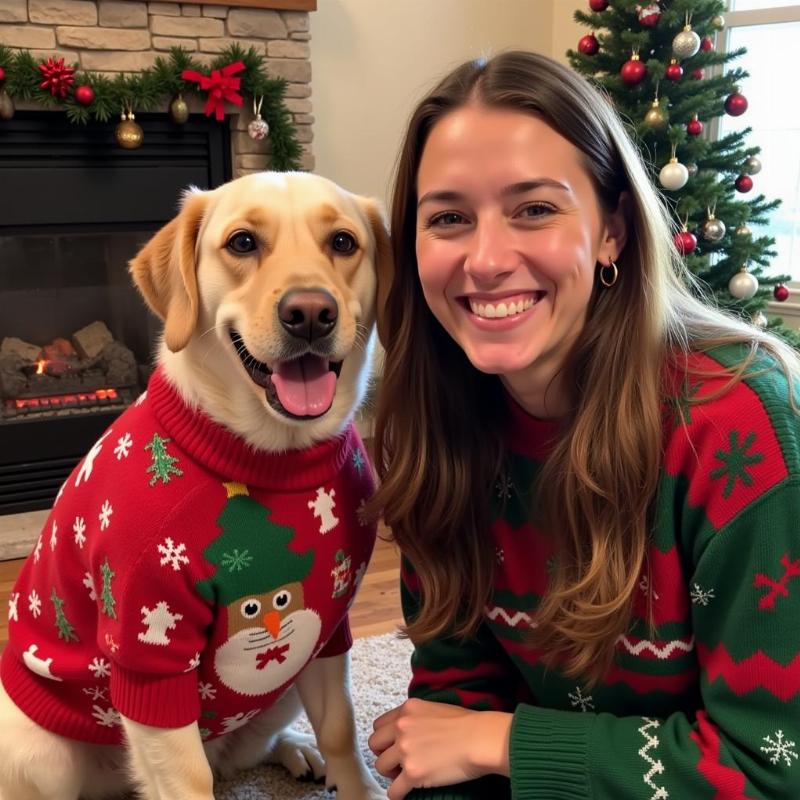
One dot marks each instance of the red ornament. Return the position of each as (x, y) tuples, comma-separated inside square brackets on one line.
[(2, 74), (588, 45), (685, 242), (633, 71), (744, 183), (221, 86), (57, 77), (780, 292), (707, 43), (649, 15), (598, 5), (84, 95), (736, 104), (698, 74), (694, 127), (674, 71)]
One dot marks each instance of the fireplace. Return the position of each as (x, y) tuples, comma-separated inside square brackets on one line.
[(76, 340)]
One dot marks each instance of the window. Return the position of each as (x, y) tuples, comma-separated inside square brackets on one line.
[(770, 30)]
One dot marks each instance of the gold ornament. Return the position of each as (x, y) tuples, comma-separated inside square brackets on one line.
[(718, 21), (178, 110), (6, 106), (128, 133), (656, 117)]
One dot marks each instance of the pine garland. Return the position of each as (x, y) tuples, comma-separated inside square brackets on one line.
[(150, 88)]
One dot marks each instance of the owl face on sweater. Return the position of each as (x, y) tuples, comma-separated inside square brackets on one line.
[(271, 636)]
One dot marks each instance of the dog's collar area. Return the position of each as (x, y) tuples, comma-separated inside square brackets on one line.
[(262, 376)]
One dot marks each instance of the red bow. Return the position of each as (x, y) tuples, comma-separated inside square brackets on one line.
[(221, 87), (273, 654)]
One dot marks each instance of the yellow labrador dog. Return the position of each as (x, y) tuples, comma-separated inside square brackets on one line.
[(188, 594)]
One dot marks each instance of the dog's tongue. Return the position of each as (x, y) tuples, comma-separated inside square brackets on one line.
[(305, 386)]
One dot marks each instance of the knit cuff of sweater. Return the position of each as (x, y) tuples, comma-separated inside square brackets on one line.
[(549, 753), (162, 701), (490, 787)]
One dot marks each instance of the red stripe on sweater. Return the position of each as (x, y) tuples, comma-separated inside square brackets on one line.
[(642, 683), (758, 671), (728, 782)]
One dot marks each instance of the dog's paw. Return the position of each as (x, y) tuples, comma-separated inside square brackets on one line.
[(352, 781), (298, 753)]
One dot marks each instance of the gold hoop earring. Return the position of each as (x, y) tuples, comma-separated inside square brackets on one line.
[(609, 282)]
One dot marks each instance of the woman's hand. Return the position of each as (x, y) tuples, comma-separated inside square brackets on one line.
[(423, 744)]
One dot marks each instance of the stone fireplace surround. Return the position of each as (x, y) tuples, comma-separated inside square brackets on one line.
[(112, 36)]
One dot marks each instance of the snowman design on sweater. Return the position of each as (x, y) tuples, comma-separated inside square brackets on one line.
[(185, 577)]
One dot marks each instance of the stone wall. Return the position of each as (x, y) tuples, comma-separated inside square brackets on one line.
[(111, 36)]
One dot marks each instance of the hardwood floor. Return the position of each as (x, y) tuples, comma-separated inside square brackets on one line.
[(375, 611)]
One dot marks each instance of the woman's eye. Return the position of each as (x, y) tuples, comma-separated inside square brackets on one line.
[(535, 210), (242, 242), (343, 242), (448, 218), (250, 608)]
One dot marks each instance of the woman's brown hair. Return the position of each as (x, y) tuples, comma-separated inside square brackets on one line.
[(439, 444)]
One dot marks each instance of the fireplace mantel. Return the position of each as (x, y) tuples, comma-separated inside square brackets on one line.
[(276, 5)]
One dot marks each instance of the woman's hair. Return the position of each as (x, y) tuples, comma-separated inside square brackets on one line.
[(439, 443)]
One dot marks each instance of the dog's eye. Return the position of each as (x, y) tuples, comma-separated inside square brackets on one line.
[(281, 600), (343, 242), (242, 242), (250, 608)]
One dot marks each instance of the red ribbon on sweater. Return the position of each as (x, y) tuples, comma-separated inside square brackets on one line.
[(221, 86)]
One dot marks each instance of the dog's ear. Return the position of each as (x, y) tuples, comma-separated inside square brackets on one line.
[(165, 271), (384, 261)]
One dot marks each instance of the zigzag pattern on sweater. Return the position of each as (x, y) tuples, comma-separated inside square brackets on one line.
[(656, 767), (663, 652)]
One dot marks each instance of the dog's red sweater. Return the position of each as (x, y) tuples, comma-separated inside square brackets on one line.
[(183, 576)]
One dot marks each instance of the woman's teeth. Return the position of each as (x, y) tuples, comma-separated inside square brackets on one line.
[(497, 310)]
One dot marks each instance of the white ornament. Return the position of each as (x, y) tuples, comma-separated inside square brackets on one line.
[(158, 621), (258, 128), (673, 175), (760, 319), (323, 507), (686, 43), (743, 285)]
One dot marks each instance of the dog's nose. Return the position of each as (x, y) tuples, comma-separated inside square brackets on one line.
[(309, 314)]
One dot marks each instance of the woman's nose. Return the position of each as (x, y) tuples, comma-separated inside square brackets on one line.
[(490, 254)]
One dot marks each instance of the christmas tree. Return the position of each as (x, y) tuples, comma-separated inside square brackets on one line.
[(163, 466), (659, 64)]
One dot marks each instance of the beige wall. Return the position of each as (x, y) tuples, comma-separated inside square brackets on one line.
[(372, 59)]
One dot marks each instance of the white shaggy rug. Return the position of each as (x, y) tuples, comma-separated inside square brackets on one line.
[(380, 675)]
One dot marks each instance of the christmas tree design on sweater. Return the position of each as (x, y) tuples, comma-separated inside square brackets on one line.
[(259, 581), (705, 704)]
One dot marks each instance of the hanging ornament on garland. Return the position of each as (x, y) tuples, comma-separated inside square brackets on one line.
[(743, 285), (2, 74), (752, 166), (743, 231), (633, 70), (718, 21), (691, 169), (713, 229), (760, 319), (258, 128), (84, 95), (694, 127), (6, 105), (698, 74), (588, 45), (707, 44), (781, 292), (743, 184), (222, 86), (178, 110), (128, 133), (598, 5), (656, 118), (673, 175), (57, 77), (687, 42), (673, 71), (736, 104), (649, 15)]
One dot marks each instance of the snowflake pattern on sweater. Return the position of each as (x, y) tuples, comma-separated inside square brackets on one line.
[(706, 706), (187, 577)]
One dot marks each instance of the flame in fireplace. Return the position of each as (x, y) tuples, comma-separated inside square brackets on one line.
[(40, 366)]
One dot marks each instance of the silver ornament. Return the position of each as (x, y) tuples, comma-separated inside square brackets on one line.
[(743, 231), (713, 229), (743, 285), (691, 169), (673, 175), (258, 129), (752, 166), (686, 43), (760, 319)]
